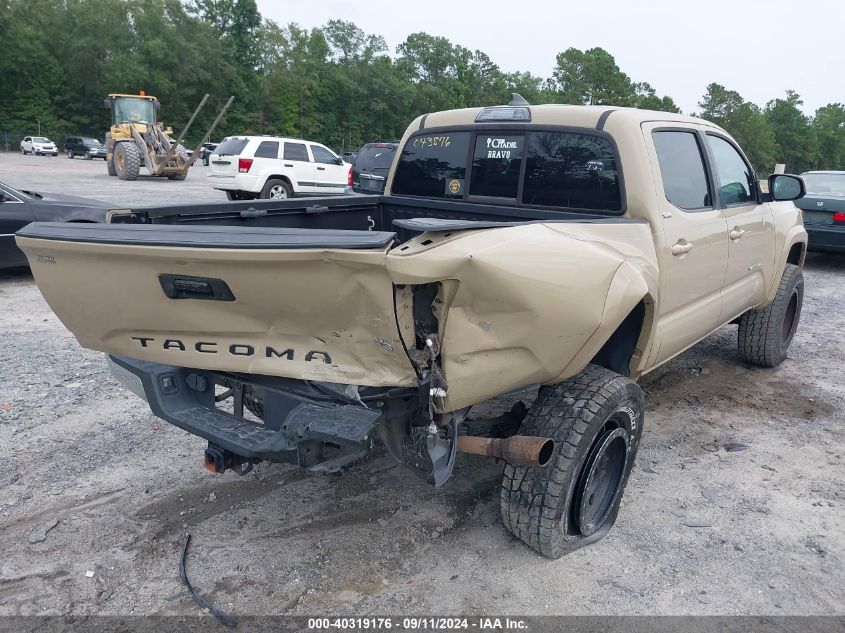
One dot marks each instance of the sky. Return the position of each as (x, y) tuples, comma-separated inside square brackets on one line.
[(758, 48)]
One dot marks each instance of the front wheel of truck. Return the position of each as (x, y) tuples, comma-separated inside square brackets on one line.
[(596, 421), (765, 334)]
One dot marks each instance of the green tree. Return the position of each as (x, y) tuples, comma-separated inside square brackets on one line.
[(591, 77), (744, 121), (829, 127), (797, 144)]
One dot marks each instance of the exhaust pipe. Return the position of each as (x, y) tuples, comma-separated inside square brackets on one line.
[(519, 450)]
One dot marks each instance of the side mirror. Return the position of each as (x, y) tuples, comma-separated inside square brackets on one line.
[(786, 187), (107, 103), (339, 160)]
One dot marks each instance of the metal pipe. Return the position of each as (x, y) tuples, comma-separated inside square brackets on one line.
[(172, 149), (519, 450), (209, 131)]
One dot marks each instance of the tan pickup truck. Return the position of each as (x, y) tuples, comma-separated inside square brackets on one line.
[(561, 250)]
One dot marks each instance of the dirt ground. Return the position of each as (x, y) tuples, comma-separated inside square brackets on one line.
[(757, 529)]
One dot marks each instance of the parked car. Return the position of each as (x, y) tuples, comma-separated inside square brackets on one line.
[(18, 208), (38, 145), (248, 167), (824, 210), (519, 250), (369, 171), (84, 146), (206, 151)]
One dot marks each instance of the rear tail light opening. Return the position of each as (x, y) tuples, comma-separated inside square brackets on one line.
[(243, 165)]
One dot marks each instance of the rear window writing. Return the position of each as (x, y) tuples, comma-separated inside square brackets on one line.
[(433, 165), (495, 165), (566, 169), (231, 147)]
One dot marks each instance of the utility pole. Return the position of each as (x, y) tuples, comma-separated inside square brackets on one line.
[(39, 126)]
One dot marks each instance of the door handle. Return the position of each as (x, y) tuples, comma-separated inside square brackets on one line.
[(737, 233), (321, 169), (681, 247)]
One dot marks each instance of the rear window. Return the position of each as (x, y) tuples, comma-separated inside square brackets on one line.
[(552, 169), (577, 171), (296, 151), (232, 147), (375, 156), (496, 163), (267, 149), (433, 166)]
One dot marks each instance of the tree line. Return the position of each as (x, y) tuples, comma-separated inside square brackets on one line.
[(335, 84)]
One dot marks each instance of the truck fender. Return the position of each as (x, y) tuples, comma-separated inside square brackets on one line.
[(793, 250), (622, 337)]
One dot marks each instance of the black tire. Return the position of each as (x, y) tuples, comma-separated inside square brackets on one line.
[(110, 167), (23, 151), (594, 416), (205, 161), (127, 161), (70, 154), (87, 155), (276, 189), (766, 333)]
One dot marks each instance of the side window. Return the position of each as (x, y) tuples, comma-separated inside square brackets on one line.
[(267, 149), (735, 177), (682, 169), (496, 163), (296, 151), (322, 155)]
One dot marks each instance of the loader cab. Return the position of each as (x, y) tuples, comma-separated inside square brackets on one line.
[(132, 109)]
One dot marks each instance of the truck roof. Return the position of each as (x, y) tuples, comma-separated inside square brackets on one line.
[(561, 114)]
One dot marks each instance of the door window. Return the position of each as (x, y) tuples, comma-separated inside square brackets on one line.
[(296, 151), (322, 155), (736, 179), (682, 169), (267, 149)]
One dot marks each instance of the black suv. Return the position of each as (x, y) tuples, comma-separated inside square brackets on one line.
[(369, 171), (84, 146)]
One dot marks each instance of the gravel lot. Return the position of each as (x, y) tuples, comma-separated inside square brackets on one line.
[(120, 490)]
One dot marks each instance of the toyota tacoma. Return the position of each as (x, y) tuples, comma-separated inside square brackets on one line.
[(557, 250)]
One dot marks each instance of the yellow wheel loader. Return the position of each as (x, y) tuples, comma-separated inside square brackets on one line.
[(135, 139)]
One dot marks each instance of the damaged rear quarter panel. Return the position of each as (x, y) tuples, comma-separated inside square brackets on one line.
[(526, 299)]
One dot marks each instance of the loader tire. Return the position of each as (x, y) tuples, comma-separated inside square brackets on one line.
[(766, 333), (110, 167), (596, 420), (127, 161)]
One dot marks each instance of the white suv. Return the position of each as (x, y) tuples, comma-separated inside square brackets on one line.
[(247, 167), (38, 145)]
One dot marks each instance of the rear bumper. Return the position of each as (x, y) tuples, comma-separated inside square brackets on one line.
[(826, 238), (302, 423), (239, 182)]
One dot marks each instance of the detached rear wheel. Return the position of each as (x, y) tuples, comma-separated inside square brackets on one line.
[(596, 420), (765, 334)]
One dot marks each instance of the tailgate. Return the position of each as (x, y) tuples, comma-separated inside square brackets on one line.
[(301, 303)]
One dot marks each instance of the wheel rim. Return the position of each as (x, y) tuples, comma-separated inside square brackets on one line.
[(600, 484), (789, 319), (277, 192), (119, 160)]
